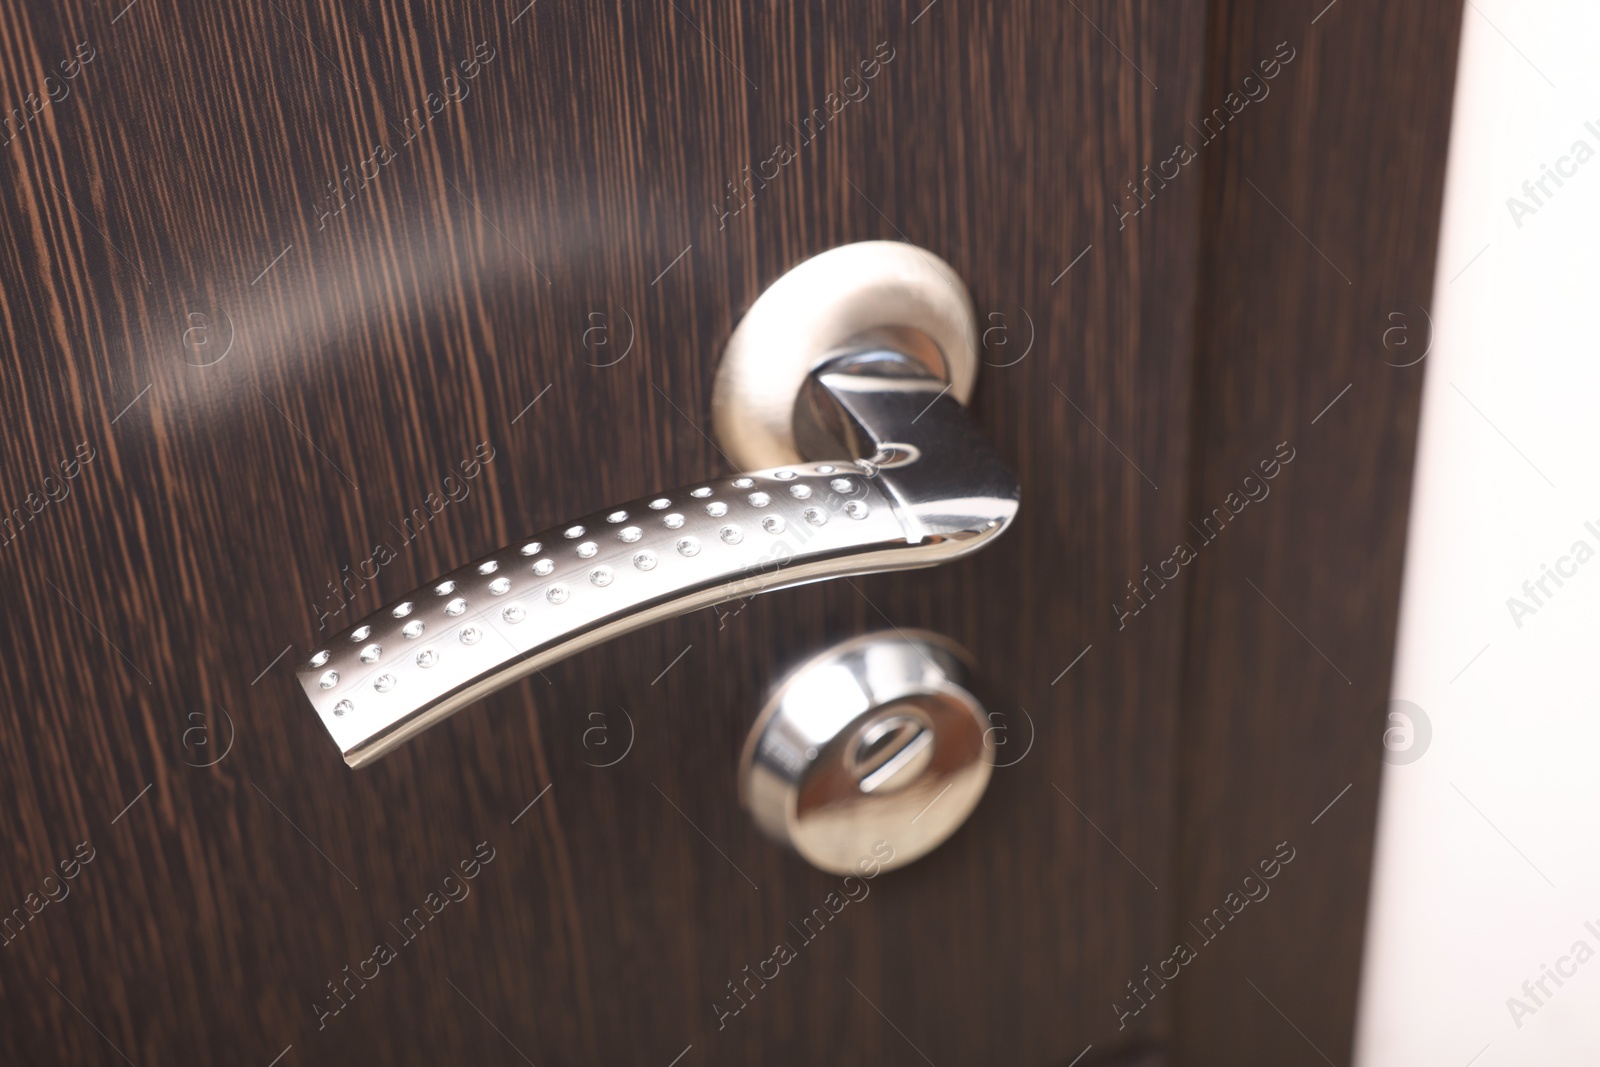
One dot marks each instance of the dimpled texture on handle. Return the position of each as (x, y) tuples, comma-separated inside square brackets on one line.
[(483, 625)]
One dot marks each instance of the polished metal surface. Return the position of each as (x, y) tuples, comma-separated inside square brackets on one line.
[(873, 751), (894, 475), (822, 306)]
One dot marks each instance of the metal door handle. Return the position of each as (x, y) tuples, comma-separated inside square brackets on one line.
[(893, 475)]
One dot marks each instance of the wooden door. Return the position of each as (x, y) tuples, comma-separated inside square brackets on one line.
[(310, 302)]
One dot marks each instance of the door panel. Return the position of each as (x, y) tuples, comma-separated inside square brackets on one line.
[(308, 389), (1321, 224)]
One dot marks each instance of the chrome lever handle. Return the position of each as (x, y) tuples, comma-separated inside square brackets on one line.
[(481, 626), (910, 483)]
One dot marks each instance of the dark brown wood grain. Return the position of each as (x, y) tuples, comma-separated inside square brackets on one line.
[(578, 184), (1321, 219), (538, 248)]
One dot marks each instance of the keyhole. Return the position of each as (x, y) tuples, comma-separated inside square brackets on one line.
[(891, 752)]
